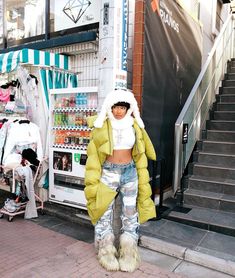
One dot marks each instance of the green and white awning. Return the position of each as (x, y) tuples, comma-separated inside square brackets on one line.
[(9, 61)]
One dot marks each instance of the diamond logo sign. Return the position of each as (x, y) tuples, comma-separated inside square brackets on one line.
[(74, 9)]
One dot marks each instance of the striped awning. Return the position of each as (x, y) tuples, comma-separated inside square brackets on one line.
[(9, 61)]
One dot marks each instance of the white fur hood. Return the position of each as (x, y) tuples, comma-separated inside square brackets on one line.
[(114, 97)]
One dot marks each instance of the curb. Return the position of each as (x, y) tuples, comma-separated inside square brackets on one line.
[(75, 217), (188, 255)]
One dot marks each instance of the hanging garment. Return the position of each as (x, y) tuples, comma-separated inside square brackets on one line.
[(23, 135), (5, 94), (25, 173), (3, 135)]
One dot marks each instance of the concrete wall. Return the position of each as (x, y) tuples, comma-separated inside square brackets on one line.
[(207, 18)]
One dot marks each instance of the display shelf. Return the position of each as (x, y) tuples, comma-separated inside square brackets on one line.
[(73, 109), (82, 128), (69, 146)]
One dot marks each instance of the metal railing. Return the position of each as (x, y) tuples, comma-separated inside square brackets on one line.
[(196, 109)]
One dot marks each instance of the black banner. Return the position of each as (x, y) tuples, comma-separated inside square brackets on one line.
[(172, 62)]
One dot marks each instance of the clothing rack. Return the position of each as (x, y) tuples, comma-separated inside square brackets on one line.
[(52, 68), (22, 207)]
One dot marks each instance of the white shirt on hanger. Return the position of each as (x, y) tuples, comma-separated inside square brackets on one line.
[(20, 136)]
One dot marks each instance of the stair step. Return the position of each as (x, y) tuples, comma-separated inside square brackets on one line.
[(230, 76), (227, 90), (225, 106), (213, 171), (218, 147), (232, 70), (226, 97), (225, 160), (220, 135), (224, 115), (226, 125), (231, 63), (209, 198), (228, 83), (213, 200), (221, 125), (219, 185), (204, 218)]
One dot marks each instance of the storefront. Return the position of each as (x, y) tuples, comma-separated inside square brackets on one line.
[(26, 77)]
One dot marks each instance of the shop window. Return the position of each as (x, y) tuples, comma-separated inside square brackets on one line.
[(24, 19)]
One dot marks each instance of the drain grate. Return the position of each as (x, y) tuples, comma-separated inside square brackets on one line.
[(181, 209)]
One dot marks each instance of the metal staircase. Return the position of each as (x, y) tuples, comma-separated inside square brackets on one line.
[(209, 196), (204, 167)]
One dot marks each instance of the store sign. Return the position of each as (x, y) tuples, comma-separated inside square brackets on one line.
[(124, 35), (75, 9), (166, 14), (106, 14), (70, 14), (185, 134), (121, 41)]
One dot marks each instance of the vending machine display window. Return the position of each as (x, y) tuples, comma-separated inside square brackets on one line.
[(69, 137)]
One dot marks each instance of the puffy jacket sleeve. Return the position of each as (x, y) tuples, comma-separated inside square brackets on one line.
[(98, 195), (93, 167), (150, 152)]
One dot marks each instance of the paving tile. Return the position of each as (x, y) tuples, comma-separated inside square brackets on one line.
[(23, 242), (33, 251), (222, 244), (202, 214), (191, 270), (159, 259), (183, 235), (214, 253), (152, 227), (48, 221), (224, 218), (76, 231)]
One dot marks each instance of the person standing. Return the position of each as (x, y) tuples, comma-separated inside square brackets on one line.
[(117, 159)]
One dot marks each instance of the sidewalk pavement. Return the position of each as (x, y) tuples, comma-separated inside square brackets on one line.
[(29, 250), (167, 248)]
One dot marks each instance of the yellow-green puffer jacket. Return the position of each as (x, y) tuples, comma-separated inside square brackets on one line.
[(99, 195)]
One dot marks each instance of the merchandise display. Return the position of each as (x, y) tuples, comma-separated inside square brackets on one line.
[(18, 135), (69, 137), (24, 114)]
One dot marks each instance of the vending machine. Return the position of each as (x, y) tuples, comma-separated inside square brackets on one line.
[(69, 137)]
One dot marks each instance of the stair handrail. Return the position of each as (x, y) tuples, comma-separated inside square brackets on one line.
[(197, 106)]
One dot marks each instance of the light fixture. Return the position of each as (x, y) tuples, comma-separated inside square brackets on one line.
[(74, 9)]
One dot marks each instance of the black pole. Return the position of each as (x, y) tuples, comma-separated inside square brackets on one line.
[(154, 179), (162, 182)]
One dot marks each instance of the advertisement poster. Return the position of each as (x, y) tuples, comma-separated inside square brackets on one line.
[(70, 14), (172, 62), (62, 161)]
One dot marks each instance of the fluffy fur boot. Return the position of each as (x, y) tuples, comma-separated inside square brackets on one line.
[(129, 258), (107, 253)]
